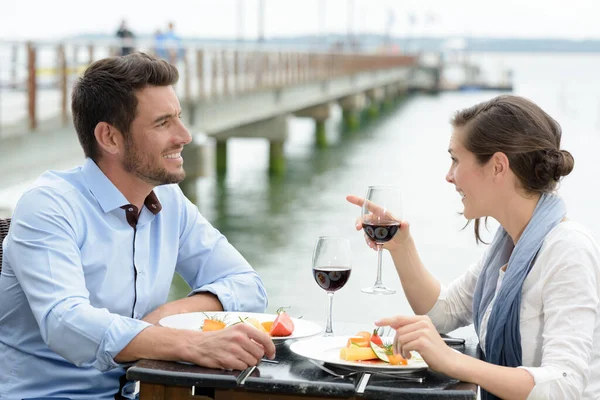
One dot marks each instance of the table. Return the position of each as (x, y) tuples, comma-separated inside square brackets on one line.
[(293, 378)]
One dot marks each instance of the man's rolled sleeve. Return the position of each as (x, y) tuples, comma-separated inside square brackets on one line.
[(209, 263), (117, 337), (243, 292)]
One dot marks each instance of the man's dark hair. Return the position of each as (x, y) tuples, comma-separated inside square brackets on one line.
[(107, 93)]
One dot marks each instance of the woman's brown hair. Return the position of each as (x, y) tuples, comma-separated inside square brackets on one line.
[(526, 134)]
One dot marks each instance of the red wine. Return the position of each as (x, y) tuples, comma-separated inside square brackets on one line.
[(331, 278), (381, 232)]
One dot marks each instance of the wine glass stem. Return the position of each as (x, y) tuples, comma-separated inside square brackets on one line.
[(329, 327), (378, 282)]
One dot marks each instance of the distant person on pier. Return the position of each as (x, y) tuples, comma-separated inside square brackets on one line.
[(534, 296), (126, 38), (169, 45), (91, 252)]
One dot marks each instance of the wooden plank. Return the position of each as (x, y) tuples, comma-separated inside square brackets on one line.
[(31, 85), (244, 395), (149, 391), (179, 393)]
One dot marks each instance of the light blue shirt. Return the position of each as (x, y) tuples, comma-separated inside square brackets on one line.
[(68, 289)]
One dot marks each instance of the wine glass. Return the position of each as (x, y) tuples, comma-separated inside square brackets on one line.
[(380, 217), (331, 268)]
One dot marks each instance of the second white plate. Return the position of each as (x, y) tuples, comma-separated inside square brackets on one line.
[(327, 349), (195, 320)]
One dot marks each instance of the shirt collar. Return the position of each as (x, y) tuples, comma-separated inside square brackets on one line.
[(107, 194)]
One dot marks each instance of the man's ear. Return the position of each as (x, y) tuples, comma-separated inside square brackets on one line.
[(108, 138), (500, 164)]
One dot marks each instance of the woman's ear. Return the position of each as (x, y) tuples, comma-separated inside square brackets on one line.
[(108, 138), (500, 164)]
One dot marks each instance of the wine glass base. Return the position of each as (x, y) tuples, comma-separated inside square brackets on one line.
[(378, 290)]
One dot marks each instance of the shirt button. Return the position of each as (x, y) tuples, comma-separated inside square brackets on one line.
[(130, 209), (565, 374), (153, 205)]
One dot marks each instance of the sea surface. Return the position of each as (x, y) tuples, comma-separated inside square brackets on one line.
[(274, 222)]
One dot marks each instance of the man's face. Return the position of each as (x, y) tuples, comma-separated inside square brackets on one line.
[(156, 139)]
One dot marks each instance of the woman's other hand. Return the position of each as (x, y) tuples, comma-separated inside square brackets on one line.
[(417, 333)]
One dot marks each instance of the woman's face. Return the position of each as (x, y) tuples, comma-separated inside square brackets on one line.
[(473, 181)]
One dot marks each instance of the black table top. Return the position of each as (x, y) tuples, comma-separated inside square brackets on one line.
[(295, 374)]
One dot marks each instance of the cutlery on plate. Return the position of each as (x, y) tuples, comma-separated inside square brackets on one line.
[(375, 373), (266, 360), (450, 341)]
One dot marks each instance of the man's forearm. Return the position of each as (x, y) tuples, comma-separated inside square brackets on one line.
[(154, 343), (200, 302)]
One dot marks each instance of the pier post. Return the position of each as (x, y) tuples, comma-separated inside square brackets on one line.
[(221, 156), (351, 107), (375, 97), (197, 162), (391, 91), (320, 133), (320, 114), (276, 157), (274, 130)]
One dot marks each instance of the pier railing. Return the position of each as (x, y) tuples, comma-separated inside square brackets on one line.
[(36, 78)]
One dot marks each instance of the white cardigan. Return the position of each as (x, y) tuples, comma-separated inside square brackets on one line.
[(560, 314)]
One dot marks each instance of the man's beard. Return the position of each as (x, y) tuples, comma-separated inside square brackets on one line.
[(143, 167)]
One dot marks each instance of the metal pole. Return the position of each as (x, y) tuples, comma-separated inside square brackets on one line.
[(350, 22), (261, 21), (240, 21)]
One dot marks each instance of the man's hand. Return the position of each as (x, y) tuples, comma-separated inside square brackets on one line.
[(236, 347)]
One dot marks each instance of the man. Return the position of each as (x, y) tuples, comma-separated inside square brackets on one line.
[(168, 45), (91, 251), (126, 38)]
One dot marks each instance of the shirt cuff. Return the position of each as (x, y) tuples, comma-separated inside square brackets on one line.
[(544, 374), (228, 300), (120, 332), (241, 295)]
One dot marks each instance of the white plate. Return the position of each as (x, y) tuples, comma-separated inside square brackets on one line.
[(327, 349), (195, 320)]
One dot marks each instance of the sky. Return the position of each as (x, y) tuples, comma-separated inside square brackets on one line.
[(56, 19)]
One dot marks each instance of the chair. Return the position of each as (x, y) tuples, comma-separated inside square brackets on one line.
[(4, 225)]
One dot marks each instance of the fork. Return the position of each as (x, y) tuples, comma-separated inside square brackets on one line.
[(349, 374)]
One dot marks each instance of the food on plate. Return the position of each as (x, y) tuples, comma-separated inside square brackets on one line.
[(212, 323), (282, 326), (362, 348)]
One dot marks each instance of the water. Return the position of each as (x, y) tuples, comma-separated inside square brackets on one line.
[(274, 222)]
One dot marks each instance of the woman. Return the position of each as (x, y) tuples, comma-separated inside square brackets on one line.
[(534, 295)]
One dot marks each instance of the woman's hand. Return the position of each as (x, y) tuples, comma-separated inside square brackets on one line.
[(417, 333), (399, 238)]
